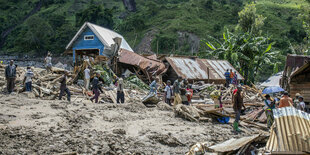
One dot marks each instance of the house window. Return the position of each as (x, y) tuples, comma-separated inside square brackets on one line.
[(89, 37)]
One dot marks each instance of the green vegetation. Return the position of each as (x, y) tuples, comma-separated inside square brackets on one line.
[(285, 24)]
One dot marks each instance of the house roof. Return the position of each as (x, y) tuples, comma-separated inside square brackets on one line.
[(105, 35), (197, 69), (305, 67), (147, 64), (294, 61), (274, 80)]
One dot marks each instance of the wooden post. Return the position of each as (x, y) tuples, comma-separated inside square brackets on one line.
[(208, 71), (157, 47)]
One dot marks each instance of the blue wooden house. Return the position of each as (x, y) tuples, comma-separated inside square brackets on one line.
[(93, 40)]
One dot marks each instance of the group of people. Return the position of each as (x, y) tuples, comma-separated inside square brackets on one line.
[(178, 93), (285, 101), (96, 85), (231, 78)]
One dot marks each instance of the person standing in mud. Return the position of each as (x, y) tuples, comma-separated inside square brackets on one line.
[(237, 106), (96, 88), (86, 78), (120, 90), (176, 91), (168, 93), (48, 62), (153, 87), (63, 86), (28, 79), (10, 75)]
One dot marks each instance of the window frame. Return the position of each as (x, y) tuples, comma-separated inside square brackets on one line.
[(85, 37)]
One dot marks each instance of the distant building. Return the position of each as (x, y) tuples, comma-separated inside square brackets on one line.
[(93, 40)]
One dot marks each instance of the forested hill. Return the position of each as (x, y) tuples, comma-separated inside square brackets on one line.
[(176, 26)]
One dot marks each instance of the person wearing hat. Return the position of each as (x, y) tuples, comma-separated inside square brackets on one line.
[(48, 62), (301, 105), (285, 101), (10, 75), (120, 90), (168, 93), (237, 106), (269, 106), (63, 86), (296, 100)]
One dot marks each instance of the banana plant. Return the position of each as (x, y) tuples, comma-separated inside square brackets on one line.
[(245, 51)]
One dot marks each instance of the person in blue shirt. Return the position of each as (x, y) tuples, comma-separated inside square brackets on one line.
[(153, 86), (227, 76)]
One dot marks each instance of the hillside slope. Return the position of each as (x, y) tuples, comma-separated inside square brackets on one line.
[(175, 26)]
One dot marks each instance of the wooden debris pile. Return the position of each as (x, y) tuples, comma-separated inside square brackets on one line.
[(257, 114), (250, 94), (45, 85), (239, 146)]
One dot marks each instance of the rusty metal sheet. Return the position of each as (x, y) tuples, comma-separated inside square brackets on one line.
[(197, 69), (188, 68), (150, 65), (295, 61), (233, 144), (220, 67), (290, 131)]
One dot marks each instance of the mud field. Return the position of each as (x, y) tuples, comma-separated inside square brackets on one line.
[(33, 126)]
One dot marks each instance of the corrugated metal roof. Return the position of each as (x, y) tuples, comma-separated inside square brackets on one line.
[(197, 69), (105, 35), (188, 68), (290, 131), (220, 67), (135, 59)]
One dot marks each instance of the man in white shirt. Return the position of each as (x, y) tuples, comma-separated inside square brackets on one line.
[(28, 79), (48, 62), (86, 78), (301, 106), (168, 92)]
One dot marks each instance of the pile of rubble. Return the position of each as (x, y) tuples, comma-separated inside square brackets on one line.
[(45, 84)]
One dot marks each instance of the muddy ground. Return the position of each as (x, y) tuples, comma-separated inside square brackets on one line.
[(33, 126)]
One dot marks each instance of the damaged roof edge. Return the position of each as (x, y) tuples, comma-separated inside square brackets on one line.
[(197, 69)]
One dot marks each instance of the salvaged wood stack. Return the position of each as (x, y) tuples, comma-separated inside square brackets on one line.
[(45, 84)]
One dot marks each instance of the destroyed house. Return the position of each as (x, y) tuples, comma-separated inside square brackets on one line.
[(145, 68), (293, 62), (195, 69), (93, 40), (299, 82)]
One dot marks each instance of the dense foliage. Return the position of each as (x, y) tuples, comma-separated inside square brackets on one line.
[(41, 25)]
